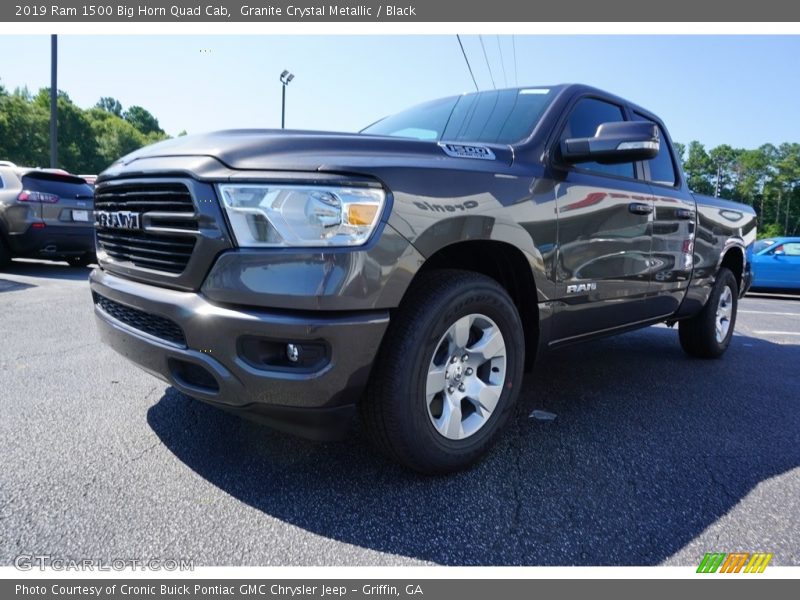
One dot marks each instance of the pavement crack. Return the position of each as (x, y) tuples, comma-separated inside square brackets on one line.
[(89, 484), (60, 351), (143, 452)]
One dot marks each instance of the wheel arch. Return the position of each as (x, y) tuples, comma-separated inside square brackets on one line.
[(733, 258), (507, 265)]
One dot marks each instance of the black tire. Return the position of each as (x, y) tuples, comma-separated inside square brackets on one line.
[(396, 413), (81, 262), (698, 335)]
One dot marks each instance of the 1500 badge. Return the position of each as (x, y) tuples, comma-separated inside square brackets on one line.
[(117, 220), (465, 151)]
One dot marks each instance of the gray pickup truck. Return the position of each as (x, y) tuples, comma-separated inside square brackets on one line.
[(410, 272)]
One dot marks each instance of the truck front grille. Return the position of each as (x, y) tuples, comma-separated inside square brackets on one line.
[(159, 327), (165, 209), (169, 253), (142, 197)]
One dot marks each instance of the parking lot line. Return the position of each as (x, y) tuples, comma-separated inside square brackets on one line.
[(767, 312), (777, 332)]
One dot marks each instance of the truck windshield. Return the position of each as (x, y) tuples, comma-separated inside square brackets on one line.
[(496, 116)]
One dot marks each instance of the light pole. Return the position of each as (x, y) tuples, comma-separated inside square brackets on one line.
[(286, 78)]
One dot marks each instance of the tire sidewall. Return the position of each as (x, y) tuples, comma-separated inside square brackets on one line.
[(482, 300), (726, 279)]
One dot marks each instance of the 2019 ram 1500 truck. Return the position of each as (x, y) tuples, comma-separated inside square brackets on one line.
[(410, 272)]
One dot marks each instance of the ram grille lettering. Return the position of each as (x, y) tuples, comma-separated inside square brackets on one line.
[(117, 220)]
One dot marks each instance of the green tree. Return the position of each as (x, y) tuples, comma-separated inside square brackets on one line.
[(724, 162), (142, 120), (88, 140), (698, 169), (753, 172), (787, 181), (680, 151), (110, 105), (76, 149), (24, 130), (114, 137)]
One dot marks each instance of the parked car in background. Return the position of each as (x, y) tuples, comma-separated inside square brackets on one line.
[(90, 179), (45, 213), (776, 264)]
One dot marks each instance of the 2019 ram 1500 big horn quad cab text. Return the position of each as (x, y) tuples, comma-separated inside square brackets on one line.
[(410, 272)]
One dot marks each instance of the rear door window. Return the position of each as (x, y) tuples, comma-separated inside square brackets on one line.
[(662, 167)]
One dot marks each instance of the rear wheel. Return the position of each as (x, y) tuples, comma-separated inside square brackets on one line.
[(708, 334), (448, 373)]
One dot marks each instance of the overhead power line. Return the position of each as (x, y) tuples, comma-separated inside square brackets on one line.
[(502, 62), (485, 56), (514, 47), (469, 67)]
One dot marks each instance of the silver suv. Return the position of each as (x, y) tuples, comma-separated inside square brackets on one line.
[(45, 213)]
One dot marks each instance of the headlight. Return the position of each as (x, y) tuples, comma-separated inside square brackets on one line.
[(266, 215)]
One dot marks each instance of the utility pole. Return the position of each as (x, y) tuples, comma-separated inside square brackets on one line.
[(53, 101)]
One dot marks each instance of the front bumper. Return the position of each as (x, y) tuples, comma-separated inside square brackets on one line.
[(211, 361)]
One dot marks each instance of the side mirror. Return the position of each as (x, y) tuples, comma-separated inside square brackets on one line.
[(778, 253), (620, 142)]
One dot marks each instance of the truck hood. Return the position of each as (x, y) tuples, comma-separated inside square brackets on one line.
[(286, 150)]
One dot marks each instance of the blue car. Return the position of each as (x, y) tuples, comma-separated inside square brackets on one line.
[(776, 263)]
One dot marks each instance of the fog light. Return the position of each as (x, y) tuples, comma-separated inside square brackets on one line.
[(292, 352), (307, 356)]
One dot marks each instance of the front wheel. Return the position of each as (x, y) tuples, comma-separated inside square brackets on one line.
[(448, 373), (708, 334)]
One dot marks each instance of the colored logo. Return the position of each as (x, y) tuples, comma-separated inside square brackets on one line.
[(735, 562)]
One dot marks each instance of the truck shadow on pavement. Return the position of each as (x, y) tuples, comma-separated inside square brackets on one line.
[(648, 450)]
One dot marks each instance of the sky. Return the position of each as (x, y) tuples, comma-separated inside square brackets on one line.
[(740, 90)]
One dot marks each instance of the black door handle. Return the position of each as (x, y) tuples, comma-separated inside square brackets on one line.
[(640, 208), (685, 213)]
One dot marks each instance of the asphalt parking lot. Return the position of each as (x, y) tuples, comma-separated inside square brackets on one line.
[(653, 458)]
